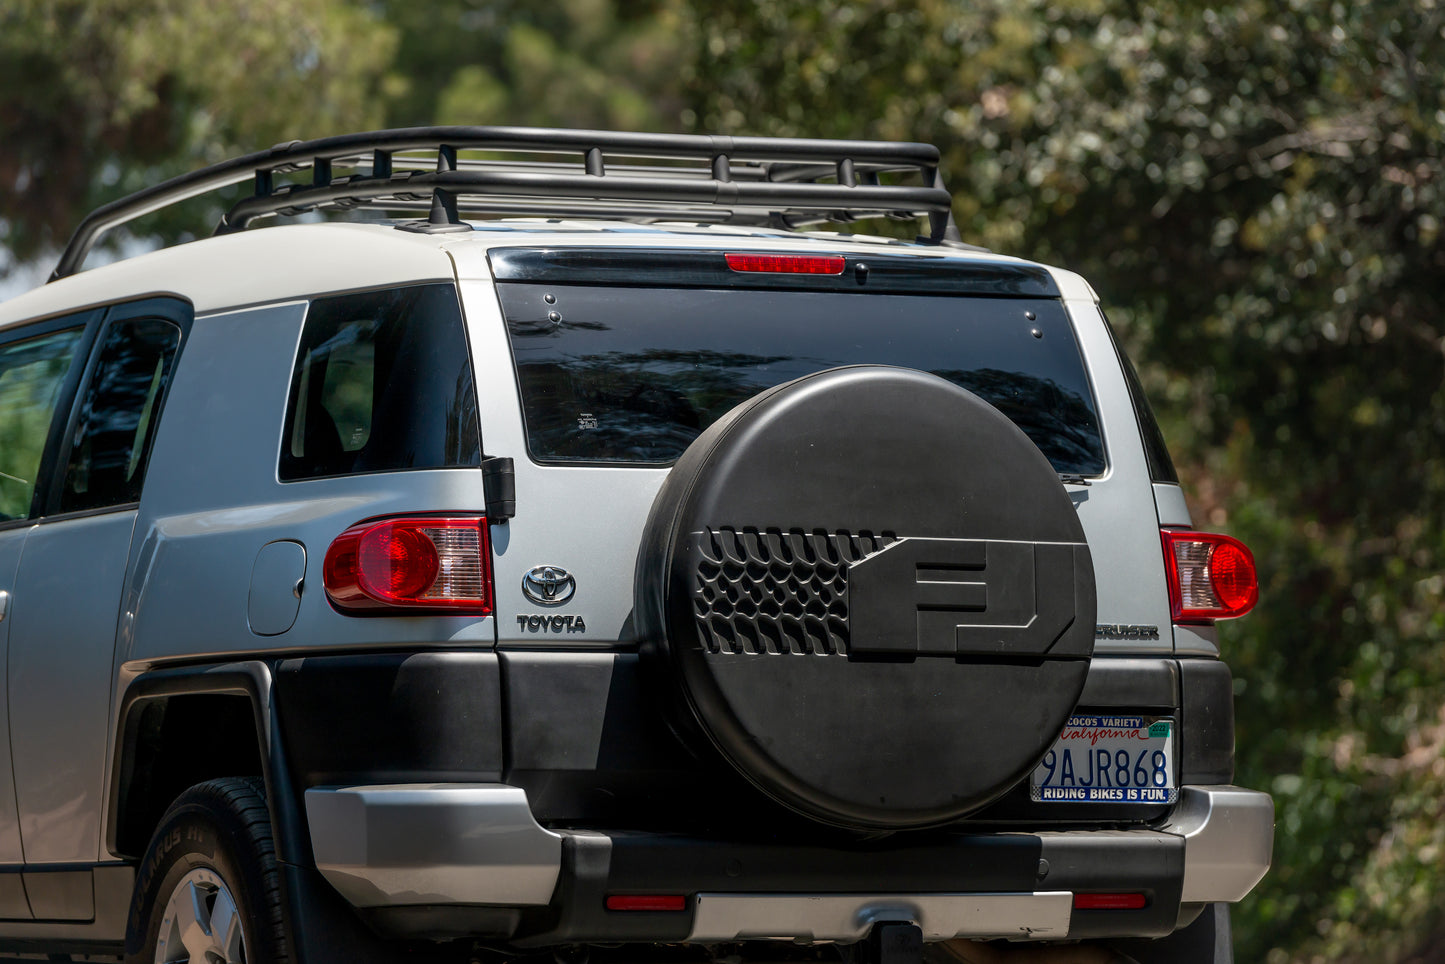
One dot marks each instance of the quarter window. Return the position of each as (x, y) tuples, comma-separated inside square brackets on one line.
[(1156, 453), (32, 373), (382, 382)]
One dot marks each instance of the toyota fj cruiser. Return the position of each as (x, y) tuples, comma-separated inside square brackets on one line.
[(597, 559)]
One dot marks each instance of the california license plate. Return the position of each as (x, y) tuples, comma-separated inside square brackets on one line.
[(1108, 759)]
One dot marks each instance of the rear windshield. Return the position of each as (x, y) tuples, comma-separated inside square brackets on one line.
[(633, 375)]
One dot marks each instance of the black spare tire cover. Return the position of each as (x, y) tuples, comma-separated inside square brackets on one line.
[(870, 592)]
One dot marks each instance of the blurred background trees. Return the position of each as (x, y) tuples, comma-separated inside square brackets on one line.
[(99, 98), (1254, 188)]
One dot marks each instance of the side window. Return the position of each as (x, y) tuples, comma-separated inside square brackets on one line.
[(1156, 453), (118, 413), (32, 373), (382, 382)]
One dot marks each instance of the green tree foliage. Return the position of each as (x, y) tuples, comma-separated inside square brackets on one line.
[(102, 97), (31, 373), (570, 63), (1256, 189), (99, 98)]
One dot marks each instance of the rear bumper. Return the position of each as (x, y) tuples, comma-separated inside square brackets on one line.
[(1228, 839), (445, 860)]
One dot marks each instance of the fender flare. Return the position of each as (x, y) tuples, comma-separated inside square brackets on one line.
[(251, 679)]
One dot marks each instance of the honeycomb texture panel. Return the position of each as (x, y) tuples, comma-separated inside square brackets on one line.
[(775, 591)]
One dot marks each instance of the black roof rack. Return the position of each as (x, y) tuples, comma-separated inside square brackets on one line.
[(780, 182)]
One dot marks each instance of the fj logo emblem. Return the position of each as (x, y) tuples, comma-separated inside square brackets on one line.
[(548, 585)]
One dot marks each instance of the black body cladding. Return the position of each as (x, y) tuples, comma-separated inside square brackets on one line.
[(834, 474)]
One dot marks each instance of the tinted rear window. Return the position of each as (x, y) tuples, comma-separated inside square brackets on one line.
[(633, 375), (1156, 453), (117, 420), (382, 382)]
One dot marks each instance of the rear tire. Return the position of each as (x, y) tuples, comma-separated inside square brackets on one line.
[(208, 890)]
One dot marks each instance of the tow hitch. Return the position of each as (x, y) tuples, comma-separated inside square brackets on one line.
[(891, 942)]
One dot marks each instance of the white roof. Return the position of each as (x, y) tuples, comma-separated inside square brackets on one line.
[(280, 263)]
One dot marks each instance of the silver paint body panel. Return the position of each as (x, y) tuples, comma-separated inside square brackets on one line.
[(109, 886), (432, 844), (12, 542), (212, 502), (14, 904), (1197, 640), (61, 895), (1228, 841), (62, 647), (1118, 510), (601, 509), (1170, 503)]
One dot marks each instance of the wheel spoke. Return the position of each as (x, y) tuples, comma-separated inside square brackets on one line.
[(193, 921), (169, 949), (226, 928), (192, 914)]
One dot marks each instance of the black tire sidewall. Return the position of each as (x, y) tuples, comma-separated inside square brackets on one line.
[(196, 835)]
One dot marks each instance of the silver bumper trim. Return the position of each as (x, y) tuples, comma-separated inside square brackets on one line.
[(414, 844), (1228, 841), (454, 843), (848, 917)]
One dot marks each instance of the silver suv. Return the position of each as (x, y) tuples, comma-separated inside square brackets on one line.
[(629, 571)]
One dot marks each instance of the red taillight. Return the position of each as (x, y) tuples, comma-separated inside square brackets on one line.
[(668, 902), (396, 562), (786, 263), (1109, 901), (412, 563), (1210, 576)]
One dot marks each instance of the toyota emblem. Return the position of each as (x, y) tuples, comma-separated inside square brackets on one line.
[(548, 585)]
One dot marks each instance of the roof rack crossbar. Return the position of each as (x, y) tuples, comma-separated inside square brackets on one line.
[(553, 209), (790, 177), (612, 187)]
